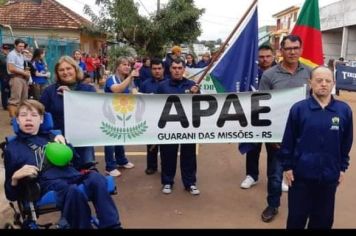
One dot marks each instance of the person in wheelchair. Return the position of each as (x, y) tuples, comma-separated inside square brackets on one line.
[(22, 162)]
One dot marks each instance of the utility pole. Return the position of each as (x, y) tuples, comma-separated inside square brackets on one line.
[(158, 6)]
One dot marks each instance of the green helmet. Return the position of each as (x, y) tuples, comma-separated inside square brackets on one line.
[(58, 154)]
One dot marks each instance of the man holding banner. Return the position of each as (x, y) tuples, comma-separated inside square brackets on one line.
[(177, 84), (289, 73), (150, 86)]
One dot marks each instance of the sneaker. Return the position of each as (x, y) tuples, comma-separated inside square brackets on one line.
[(114, 173), (128, 165), (193, 190), (167, 189), (285, 186), (269, 213), (248, 182), (149, 171)]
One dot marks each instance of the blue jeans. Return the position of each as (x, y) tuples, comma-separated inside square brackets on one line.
[(252, 159), (114, 155), (274, 179)]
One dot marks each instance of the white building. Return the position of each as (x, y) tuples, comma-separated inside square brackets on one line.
[(200, 49), (338, 26)]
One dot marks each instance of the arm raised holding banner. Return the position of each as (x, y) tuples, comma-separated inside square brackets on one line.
[(120, 82)]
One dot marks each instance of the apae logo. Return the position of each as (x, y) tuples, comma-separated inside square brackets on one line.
[(335, 121), (124, 114)]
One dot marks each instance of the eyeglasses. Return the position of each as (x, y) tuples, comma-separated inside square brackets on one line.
[(290, 49)]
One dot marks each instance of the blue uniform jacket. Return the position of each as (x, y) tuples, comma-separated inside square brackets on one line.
[(53, 102), (145, 73), (82, 66), (150, 85), (18, 154), (170, 86), (113, 79), (202, 64), (317, 142), (39, 66)]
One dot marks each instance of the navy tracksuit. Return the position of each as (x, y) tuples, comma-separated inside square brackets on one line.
[(54, 104), (188, 161), (316, 146), (72, 202), (114, 155), (150, 86)]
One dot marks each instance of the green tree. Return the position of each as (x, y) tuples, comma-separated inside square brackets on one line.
[(210, 44), (177, 22), (117, 52)]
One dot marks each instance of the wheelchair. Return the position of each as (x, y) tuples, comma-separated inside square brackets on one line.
[(32, 204)]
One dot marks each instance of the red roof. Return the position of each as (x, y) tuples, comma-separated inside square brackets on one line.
[(43, 14)]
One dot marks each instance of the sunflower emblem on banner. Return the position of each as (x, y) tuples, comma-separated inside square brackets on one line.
[(124, 117)]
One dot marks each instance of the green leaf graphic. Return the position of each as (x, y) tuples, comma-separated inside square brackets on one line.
[(118, 132)]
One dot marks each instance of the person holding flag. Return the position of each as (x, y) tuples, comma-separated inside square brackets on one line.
[(177, 84), (265, 61)]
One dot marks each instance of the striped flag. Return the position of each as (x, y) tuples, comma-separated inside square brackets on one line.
[(308, 29)]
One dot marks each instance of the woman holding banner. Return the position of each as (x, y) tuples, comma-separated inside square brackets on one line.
[(68, 77), (120, 82)]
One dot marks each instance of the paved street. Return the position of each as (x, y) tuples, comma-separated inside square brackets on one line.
[(222, 204)]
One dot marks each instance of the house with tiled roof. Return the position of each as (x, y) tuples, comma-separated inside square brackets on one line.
[(48, 19)]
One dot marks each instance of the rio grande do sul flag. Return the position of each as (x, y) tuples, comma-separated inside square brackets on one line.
[(308, 29)]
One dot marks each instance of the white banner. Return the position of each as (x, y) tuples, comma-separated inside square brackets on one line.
[(93, 119), (206, 86)]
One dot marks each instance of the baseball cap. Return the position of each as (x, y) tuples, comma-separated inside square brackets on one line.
[(176, 49)]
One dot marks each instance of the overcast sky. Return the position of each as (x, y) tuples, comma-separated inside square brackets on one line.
[(220, 16)]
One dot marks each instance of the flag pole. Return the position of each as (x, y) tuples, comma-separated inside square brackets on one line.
[(222, 48)]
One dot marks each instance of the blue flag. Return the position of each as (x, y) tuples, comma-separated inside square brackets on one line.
[(236, 70)]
